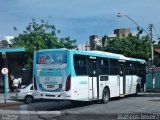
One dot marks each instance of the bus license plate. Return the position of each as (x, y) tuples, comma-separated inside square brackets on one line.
[(50, 86)]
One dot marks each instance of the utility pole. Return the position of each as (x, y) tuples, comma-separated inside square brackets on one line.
[(152, 53), (151, 40)]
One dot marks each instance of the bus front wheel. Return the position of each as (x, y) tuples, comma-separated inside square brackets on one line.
[(105, 96)]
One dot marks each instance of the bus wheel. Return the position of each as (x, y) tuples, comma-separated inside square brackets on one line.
[(137, 90), (105, 96), (75, 102)]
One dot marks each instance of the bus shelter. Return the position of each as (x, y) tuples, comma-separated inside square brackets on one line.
[(11, 58)]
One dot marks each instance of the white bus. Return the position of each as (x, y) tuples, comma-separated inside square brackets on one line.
[(73, 75)]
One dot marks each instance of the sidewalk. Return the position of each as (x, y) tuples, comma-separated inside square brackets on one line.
[(10, 100), (10, 97), (149, 94)]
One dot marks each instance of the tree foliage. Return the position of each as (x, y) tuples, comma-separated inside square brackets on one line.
[(131, 46), (38, 36)]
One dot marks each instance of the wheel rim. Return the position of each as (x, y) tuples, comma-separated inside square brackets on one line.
[(28, 99), (106, 96)]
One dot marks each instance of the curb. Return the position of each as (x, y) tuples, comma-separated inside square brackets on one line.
[(9, 104), (39, 113)]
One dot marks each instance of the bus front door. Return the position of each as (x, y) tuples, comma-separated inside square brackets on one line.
[(122, 80), (92, 81)]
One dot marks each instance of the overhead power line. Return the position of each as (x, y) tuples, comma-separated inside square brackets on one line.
[(154, 28)]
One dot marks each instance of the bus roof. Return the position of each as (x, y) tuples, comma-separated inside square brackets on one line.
[(100, 53), (110, 55), (135, 59), (49, 50), (96, 53)]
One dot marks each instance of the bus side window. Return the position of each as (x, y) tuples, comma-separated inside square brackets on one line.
[(103, 66), (92, 67), (129, 68), (80, 64), (121, 72), (113, 67), (121, 69)]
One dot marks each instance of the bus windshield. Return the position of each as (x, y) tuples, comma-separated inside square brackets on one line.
[(56, 57), (50, 70)]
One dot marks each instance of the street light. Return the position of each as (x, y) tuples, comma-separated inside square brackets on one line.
[(121, 15), (152, 52)]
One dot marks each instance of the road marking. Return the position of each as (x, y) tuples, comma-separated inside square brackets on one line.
[(58, 113), (22, 116)]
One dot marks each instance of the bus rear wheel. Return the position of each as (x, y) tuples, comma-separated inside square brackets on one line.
[(105, 96), (137, 89), (74, 102)]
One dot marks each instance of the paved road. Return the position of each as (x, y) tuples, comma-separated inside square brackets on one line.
[(140, 106)]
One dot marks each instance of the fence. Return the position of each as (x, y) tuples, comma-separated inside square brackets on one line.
[(153, 80)]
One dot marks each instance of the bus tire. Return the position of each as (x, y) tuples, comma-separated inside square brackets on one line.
[(105, 96), (75, 102), (137, 89)]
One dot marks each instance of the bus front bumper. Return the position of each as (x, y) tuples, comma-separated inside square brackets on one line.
[(55, 95)]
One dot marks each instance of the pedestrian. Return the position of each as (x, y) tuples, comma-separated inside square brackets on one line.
[(15, 85), (11, 82), (20, 81)]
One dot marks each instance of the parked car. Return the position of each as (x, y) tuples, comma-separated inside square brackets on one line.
[(27, 94)]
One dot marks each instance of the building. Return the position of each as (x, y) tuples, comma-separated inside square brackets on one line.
[(122, 32), (111, 36), (84, 47), (157, 57), (94, 41), (6, 42)]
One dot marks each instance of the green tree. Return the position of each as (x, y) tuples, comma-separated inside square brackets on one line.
[(131, 46), (38, 36)]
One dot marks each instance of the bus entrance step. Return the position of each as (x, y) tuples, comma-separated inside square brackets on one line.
[(121, 95)]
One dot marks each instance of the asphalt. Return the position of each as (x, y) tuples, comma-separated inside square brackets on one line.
[(11, 98), (144, 106)]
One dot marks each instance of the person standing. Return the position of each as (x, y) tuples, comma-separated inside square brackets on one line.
[(15, 84), (11, 78), (20, 81)]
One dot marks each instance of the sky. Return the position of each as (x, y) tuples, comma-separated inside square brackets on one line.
[(79, 18)]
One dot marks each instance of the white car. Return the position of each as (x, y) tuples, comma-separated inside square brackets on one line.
[(27, 94)]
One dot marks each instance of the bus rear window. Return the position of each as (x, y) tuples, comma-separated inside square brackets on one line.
[(51, 57)]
